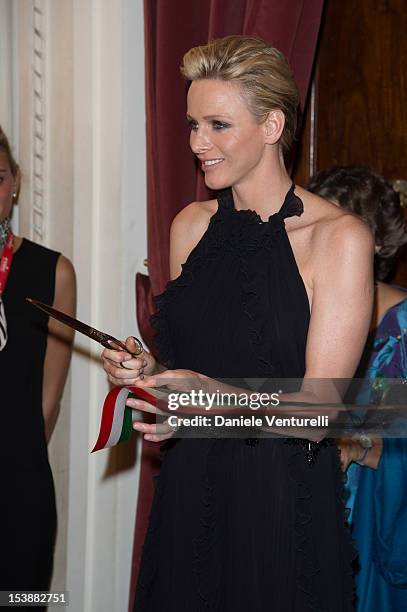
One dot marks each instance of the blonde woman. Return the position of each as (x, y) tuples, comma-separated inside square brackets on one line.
[(269, 281)]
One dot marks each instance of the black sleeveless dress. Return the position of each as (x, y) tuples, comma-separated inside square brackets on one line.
[(27, 503), (238, 524)]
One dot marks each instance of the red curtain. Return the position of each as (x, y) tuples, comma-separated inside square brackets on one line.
[(173, 179)]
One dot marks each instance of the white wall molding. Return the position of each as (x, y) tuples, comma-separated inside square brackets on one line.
[(6, 67), (23, 18), (39, 112), (79, 117), (8, 94)]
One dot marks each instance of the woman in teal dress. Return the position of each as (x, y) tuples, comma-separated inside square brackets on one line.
[(376, 486)]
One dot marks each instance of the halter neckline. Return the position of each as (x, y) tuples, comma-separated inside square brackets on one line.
[(291, 206)]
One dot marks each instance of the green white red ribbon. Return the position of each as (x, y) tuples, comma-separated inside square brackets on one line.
[(117, 418)]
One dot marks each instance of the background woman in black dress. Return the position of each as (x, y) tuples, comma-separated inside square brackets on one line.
[(33, 364), (275, 283)]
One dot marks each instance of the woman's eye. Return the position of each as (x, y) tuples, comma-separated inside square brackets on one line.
[(193, 125), (220, 125)]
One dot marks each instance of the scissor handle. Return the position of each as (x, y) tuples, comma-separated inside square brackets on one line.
[(108, 341)]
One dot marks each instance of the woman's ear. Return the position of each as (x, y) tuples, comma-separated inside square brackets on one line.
[(17, 183), (274, 126)]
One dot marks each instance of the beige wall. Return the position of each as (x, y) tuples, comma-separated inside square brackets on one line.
[(6, 66), (78, 123)]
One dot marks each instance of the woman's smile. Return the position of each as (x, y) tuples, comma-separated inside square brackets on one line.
[(210, 164)]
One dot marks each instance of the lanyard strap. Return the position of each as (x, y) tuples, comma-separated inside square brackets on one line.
[(5, 261)]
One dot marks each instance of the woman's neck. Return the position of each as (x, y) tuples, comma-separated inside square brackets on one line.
[(264, 189), (5, 229), (4, 232)]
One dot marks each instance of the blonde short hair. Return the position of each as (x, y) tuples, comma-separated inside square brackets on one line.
[(262, 71)]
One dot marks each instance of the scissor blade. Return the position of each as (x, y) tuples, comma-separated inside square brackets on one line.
[(91, 332)]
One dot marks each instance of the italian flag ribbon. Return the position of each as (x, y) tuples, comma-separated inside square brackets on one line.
[(117, 419)]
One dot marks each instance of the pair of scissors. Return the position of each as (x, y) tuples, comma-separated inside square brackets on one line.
[(105, 340)]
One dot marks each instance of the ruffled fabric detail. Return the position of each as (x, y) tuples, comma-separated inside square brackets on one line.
[(246, 230), (207, 568), (308, 568), (292, 205), (251, 238), (310, 448), (204, 251), (207, 564), (255, 309), (245, 234)]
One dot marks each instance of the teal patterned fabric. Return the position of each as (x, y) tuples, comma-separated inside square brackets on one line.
[(377, 499)]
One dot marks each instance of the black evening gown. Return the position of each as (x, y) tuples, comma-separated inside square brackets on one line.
[(27, 503), (238, 524)]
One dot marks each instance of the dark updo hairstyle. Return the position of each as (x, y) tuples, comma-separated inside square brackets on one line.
[(369, 195)]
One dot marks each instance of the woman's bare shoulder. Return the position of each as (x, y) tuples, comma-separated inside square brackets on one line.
[(191, 222), (333, 225), (196, 214), (187, 229)]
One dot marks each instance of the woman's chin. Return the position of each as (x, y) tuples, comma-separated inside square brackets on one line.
[(215, 184)]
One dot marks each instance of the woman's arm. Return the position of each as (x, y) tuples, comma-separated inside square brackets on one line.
[(342, 303), (342, 299), (59, 345), (187, 229)]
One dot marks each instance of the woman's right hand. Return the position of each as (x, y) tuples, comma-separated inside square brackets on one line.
[(122, 369)]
